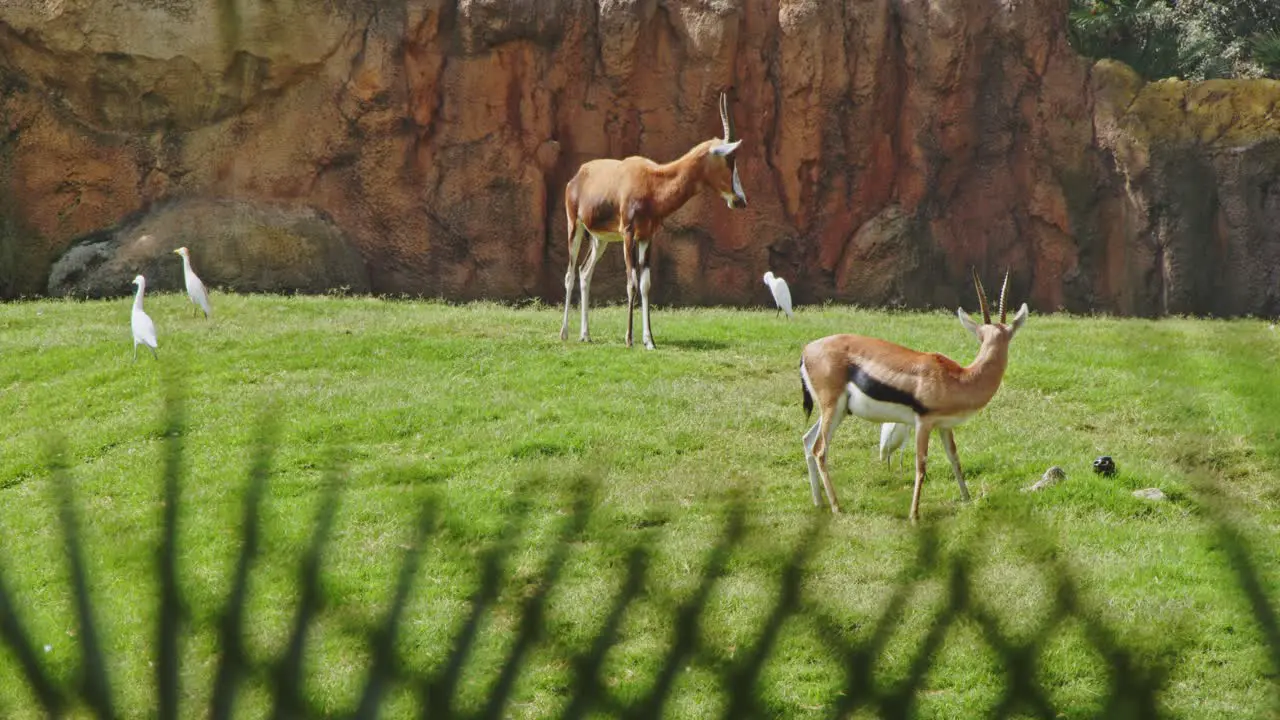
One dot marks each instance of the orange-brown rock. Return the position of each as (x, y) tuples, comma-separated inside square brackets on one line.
[(889, 145)]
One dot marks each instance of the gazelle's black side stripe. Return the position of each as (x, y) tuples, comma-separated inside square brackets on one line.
[(877, 390)]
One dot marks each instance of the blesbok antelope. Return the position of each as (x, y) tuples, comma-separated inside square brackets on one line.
[(883, 382), (627, 200)]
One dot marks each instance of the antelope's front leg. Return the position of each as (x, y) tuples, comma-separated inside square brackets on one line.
[(949, 443), (922, 460), (829, 421), (628, 238), (575, 238), (815, 481), (586, 273), (642, 259)]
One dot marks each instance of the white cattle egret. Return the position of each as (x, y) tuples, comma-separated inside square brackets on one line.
[(195, 288), (892, 437), (144, 331), (781, 293)]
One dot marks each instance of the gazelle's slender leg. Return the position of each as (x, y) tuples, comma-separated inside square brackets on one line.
[(628, 248), (575, 239), (949, 442), (643, 261), (922, 458), (585, 274), (831, 417), (810, 438)]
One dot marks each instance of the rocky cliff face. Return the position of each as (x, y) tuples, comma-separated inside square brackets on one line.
[(889, 145)]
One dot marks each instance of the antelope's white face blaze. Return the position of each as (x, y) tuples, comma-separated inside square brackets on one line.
[(737, 198), (723, 174), (737, 185)]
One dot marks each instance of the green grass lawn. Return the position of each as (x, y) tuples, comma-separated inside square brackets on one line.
[(468, 405)]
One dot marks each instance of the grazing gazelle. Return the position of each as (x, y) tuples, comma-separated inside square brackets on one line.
[(627, 200), (883, 382)]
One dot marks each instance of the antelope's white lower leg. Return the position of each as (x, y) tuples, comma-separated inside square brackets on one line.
[(628, 261), (575, 239), (643, 262), (584, 280)]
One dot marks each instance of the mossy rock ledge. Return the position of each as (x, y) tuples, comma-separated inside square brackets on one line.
[(1198, 175)]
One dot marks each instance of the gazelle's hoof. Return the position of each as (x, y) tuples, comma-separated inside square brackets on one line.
[(585, 338), (650, 346), (564, 333)]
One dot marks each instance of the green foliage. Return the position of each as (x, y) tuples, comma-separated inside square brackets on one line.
[(1266, 50), (1191, 39), (690, 576), (1141, 33)]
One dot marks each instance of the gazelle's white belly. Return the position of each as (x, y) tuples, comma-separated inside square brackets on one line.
[(868, 408)]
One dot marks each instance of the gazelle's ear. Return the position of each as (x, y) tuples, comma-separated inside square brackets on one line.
[(1018, 319), (725, 149), (968, 322)]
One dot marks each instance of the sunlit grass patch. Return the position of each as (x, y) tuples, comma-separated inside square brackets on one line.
[(483, 410)]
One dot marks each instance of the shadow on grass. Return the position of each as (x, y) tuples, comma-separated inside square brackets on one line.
[(695, 345), (1133, 690)]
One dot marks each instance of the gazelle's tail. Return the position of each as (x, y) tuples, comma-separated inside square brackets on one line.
[(804, 391)]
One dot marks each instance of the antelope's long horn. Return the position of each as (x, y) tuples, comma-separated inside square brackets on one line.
[(725, 117), (982, 298), (1003, 289)]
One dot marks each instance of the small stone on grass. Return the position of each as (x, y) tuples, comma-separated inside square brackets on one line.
[(1052, 476)]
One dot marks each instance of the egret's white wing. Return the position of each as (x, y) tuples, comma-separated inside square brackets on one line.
[(782, 294), (197, 293), (144, 330), (886, 439), (892, 437)]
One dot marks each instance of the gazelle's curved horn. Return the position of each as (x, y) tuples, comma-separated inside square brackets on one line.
[(725, 117), (982, 298), (1003, 289)]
